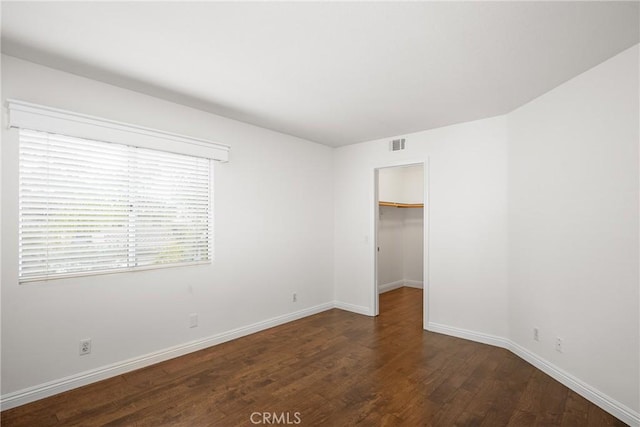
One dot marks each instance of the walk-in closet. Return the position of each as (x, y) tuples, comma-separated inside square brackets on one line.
[(400, 227)]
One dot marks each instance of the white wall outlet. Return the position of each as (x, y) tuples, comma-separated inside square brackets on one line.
[(85, 347), (536, 334), (193, 320), (295, 297), (559, 345)]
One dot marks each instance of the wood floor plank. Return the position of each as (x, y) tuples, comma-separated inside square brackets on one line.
[(335, 368), (576, 411), (522, 419)]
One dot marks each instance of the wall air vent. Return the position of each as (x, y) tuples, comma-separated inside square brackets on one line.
[(397, 144)]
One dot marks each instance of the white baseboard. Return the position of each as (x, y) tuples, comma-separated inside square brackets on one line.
[(359, 309), (31, 394), (399, 284), (468, 335), (390, 286), (414, 284), (590, 393)]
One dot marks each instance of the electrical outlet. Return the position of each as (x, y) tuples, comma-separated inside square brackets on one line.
[(85, 347), (193, 320), (295, 297), (559, 345), (536, 334)]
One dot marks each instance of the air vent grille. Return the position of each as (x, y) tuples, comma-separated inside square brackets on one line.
[(398, 144)]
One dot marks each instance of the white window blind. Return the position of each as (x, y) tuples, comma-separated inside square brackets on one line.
[(90, 207)]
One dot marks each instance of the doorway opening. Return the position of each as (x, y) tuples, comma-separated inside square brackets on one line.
[(400, 234)]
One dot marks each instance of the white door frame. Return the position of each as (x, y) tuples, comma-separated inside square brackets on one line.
[(425, 238)]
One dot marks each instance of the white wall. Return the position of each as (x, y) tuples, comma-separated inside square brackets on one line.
[(413, 184), (400, 239), (391, 244), (412, 247), (273, 237), (390, 185), (573, 226), (402, 184), (467, 222)]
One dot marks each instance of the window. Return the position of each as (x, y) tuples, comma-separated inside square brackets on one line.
[(89, 207), (99, 196)]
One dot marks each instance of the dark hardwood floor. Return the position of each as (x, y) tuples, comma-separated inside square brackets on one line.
[(332, 369)]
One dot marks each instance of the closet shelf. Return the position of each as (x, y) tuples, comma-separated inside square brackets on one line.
[(401, 205)]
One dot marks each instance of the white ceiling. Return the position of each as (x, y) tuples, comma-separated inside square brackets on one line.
[(333, 73)]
